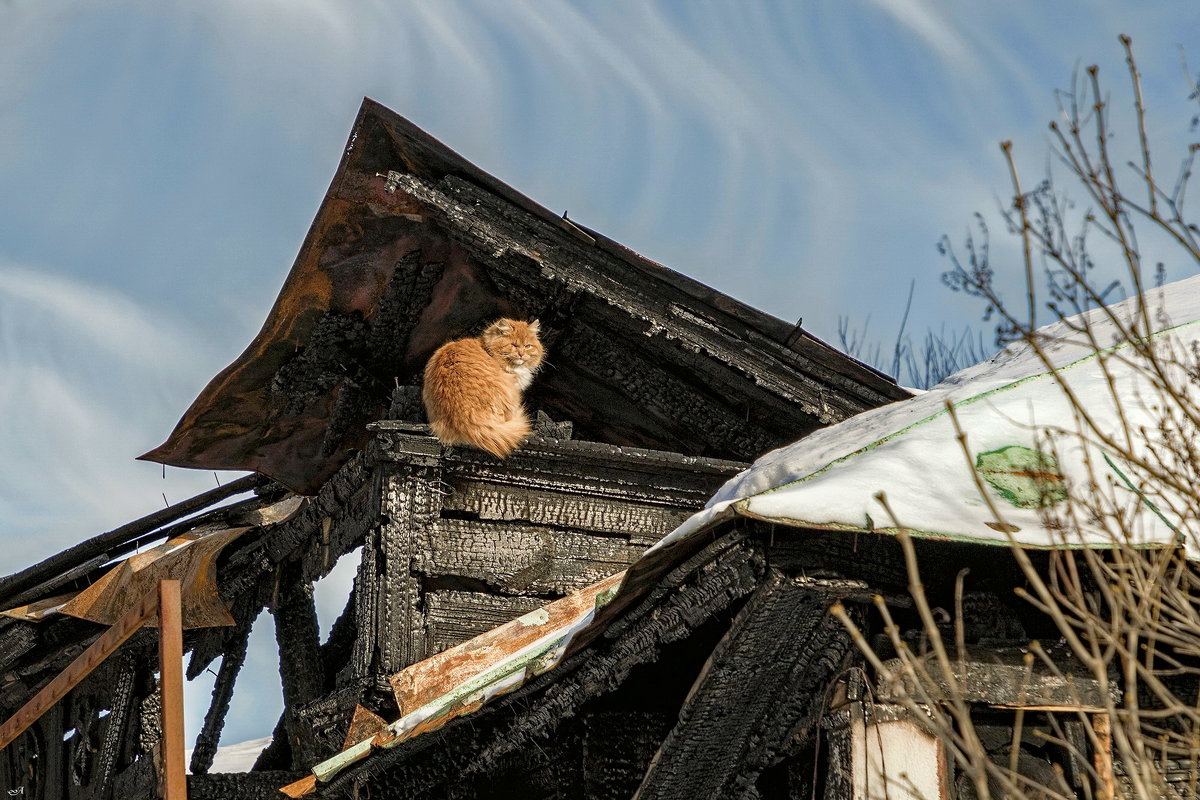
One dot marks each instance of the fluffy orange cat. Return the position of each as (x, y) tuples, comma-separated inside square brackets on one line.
[(473, 387)]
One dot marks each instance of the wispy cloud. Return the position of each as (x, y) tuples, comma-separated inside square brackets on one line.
[(86, 376), (923, 19), (162, 162)]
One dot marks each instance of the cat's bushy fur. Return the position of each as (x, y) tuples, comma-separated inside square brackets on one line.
[(473, 387)]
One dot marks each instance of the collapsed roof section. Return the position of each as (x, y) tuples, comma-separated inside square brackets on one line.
[(413, 246)]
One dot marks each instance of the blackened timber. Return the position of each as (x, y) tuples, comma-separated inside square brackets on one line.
[(594, 469), (473, 745), (519, 559), (328, 525), (453, 617), (89, 549), (214, 719), (208, 643), (681, 412), (643, 523), (493, 226), (17, 638), (239, 785), (116, 725), (765, 681), (298, 637), (390, 635)]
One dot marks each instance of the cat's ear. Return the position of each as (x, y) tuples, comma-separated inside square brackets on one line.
[(536, 326), (502, 326)]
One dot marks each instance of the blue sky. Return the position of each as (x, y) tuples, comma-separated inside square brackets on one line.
[(160, 164)]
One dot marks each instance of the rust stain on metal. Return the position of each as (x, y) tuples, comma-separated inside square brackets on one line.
[(287, 408), (189, 558)]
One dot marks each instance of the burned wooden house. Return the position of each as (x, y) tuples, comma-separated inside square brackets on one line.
[(660, 389), (509, 634)]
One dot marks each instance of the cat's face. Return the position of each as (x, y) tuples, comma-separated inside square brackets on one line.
[(515, 342)]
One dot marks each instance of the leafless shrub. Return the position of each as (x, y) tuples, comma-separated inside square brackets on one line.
[(921, 365), (1130, 615)]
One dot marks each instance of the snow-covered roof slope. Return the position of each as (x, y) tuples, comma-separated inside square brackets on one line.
[(1006, 406)]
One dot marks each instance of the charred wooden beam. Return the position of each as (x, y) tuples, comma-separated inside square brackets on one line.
[(85, 551), (16, 639), (240, 785), (453, 617), (681, 411), (644, 523), (214, 719), (765, 682), (300, 666), (117, 724), (524, 559), (481, 742), (390, 625), (488, 224)]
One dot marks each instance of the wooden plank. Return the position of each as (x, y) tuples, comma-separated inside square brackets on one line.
[(523, 559), (644, 522), (170, 670), (453, 617), (79, 669), (760, 692)]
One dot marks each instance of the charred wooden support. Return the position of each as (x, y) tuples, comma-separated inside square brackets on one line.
[(473, 746), (300, 666), (240, 786), (764, 686), (214, 719)]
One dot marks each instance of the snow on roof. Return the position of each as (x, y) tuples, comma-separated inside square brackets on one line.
[(1022, 433)]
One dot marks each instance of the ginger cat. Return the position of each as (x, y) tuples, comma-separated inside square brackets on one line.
[(473, 387)]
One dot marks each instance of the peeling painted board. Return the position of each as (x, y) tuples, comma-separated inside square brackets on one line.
[(523, 558), (427, 680), (453, 617), (495, 502), (896, 760)]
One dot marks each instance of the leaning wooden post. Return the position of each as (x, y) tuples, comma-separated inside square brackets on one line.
[(170, 661), (80, 668)]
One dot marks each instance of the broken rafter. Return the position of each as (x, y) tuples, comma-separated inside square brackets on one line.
[(89, 551)]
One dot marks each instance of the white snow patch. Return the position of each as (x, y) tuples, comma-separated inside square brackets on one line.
[(908, 449), (235, 757)]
